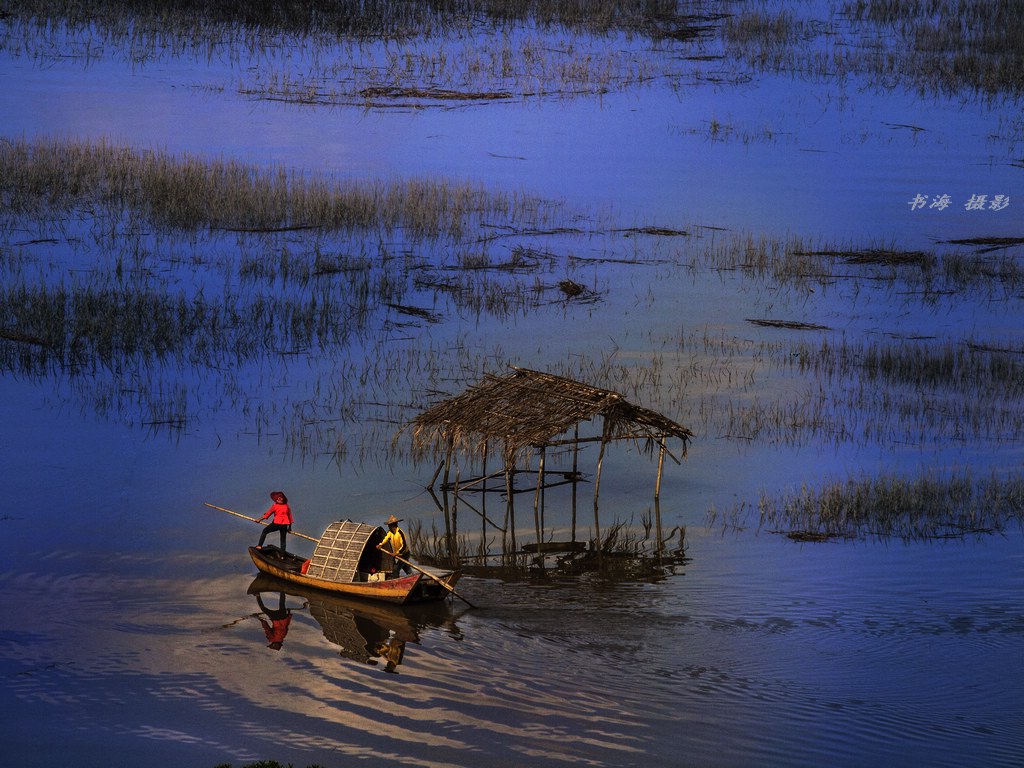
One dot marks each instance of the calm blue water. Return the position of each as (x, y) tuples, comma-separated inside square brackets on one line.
[(129, 635)]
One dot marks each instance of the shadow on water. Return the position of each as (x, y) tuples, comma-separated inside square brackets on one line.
[(365, 632)]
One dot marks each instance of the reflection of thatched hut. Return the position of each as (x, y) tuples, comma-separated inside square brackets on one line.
[(528, 411)]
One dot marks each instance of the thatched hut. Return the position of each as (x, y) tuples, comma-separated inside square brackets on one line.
[(527, 412)]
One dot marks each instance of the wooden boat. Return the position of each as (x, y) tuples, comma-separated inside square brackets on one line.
[(346, 561)]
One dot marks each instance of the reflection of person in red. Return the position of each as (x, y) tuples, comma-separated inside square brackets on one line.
[(282, 518), (277, 627)]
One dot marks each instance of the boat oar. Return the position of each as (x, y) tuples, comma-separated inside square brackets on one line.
[(427, 573), (253, 519)]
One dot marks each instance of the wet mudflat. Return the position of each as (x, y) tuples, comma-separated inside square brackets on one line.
[(243, 261)]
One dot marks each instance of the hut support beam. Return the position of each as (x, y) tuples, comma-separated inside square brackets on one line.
[(597, 490), (447, 513), (510, 508), (575, 474), (538, 505), (453, 539), (661, 467), (437, 472), (483, 504), (657, 492)]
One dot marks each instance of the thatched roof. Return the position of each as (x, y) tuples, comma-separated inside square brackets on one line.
[(529, 409)]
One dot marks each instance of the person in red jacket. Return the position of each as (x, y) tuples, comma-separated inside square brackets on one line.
[(282, 519)]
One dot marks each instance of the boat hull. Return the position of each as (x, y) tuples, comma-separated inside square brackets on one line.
[(416, 588)]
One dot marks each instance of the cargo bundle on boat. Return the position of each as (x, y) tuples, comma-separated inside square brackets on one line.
[(347, 561)]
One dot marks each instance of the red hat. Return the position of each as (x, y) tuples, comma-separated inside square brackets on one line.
[(279, 497)]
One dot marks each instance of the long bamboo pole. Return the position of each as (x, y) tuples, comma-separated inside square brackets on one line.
[(253, 519), (444, 584)]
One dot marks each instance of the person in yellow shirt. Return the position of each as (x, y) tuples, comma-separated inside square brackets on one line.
[(395, 541)]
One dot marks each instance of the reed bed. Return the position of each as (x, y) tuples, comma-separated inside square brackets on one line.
[(257, 266), (923, 507), (88, 329), (118, 263), (864, 393), (791, 391), (367, 18), (965, 366), (947, 48), (380, 53), (924, 276), (386, 53), (188, 193)]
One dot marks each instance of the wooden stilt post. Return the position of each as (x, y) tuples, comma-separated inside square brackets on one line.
[(453, 546), (657, 492), (537, 502), (575, 474), (444, 488), (659, 549), (483, 504), (661, 466), (510, 495), (597, 488), (437, 472)]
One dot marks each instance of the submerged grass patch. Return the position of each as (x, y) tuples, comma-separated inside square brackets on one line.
[(927, 506)]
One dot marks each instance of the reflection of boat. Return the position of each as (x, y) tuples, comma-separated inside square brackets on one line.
[(347, 561), (363, 631)]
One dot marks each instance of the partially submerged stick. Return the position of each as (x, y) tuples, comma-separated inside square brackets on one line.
[(427, 573), (253, 519)]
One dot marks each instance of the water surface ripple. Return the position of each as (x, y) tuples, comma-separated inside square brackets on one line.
[(911, 662)]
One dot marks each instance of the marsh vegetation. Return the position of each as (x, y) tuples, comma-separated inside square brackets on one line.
[(948, 48), (244, 244), (925, 507), (144, 284), (387, 54)]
